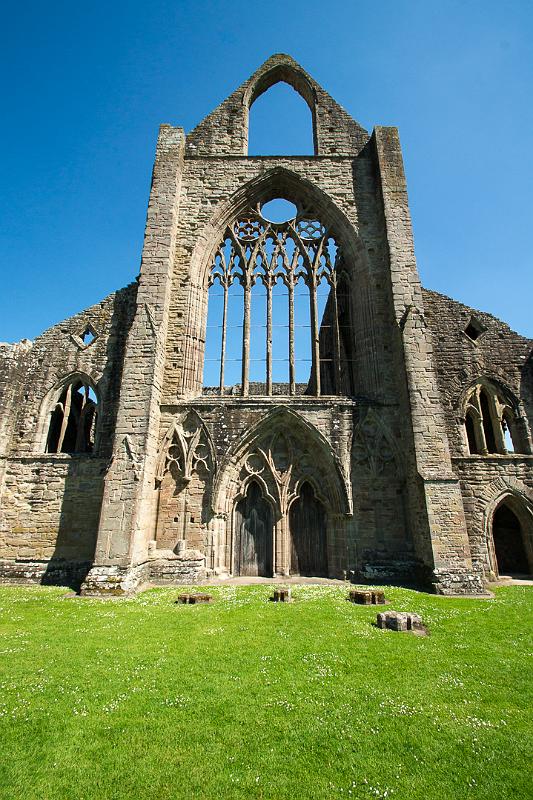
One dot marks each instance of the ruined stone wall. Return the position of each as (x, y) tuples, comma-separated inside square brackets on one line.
[(225, 130), (499, 354), (485, 480), (363, 198), (504, 358), (50, 502), (388, 462)]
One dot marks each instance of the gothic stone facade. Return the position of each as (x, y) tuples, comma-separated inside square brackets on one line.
[(405, 456)]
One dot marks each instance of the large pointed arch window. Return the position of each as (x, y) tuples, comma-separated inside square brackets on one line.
[(279, 318)]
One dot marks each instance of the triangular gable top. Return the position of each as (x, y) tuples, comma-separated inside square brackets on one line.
[(225, 130)]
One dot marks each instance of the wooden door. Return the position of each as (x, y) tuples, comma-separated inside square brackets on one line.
[(307, 522), (253, 534)]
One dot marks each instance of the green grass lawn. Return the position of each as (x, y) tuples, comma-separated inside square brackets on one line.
[(244, 698)]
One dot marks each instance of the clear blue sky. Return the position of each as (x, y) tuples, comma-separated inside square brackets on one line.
[(85, 86)]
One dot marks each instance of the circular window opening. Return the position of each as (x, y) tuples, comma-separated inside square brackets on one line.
[(278, 210)]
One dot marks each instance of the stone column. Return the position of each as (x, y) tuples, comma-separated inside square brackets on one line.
[(128, 509), (439, 527)]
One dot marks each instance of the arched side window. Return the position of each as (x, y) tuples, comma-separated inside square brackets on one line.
[(491, 423), (278, 321), (73, 419)]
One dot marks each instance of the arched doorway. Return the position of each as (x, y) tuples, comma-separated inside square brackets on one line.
[(253, 540), (508, 538), (307, 523)]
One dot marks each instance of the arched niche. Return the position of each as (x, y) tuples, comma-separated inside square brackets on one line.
[(184, 473)]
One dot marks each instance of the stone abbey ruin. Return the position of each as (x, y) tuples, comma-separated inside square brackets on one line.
[(270, 398)]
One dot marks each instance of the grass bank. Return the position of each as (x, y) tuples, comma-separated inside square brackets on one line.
[(244, 698)]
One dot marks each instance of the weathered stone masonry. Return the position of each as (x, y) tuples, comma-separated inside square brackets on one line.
[(406, 455)]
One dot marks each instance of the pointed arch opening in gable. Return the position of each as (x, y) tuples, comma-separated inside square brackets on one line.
[(281, 117), (280, 123)]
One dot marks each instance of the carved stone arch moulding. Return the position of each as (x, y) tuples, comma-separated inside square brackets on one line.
[(520, 499), (373, 447), (289, 73), (492, 495), (267, 485), (186, 448), (283, 450)]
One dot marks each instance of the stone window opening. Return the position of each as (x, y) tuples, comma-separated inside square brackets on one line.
[(279, 307), (474, 329), (73, 419), (280, 122), (87, 336), (491, 424)]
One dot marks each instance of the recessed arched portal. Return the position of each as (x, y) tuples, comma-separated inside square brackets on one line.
[(307, 523), (253, 541), (508, 537)]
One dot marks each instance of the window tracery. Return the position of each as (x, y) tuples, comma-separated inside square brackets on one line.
[(301, 255), (491, 424), (73, 419)]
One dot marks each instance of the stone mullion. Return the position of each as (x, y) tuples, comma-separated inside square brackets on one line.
[(315, 341), (64, 421), (336, 337), (269, 337), (292, 378), (479, 435), (81, 421), (246, 336), (479, 431), (223, 343), (496, 420)]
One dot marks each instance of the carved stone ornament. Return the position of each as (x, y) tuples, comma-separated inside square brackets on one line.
[(371, 448), (186, 449)]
